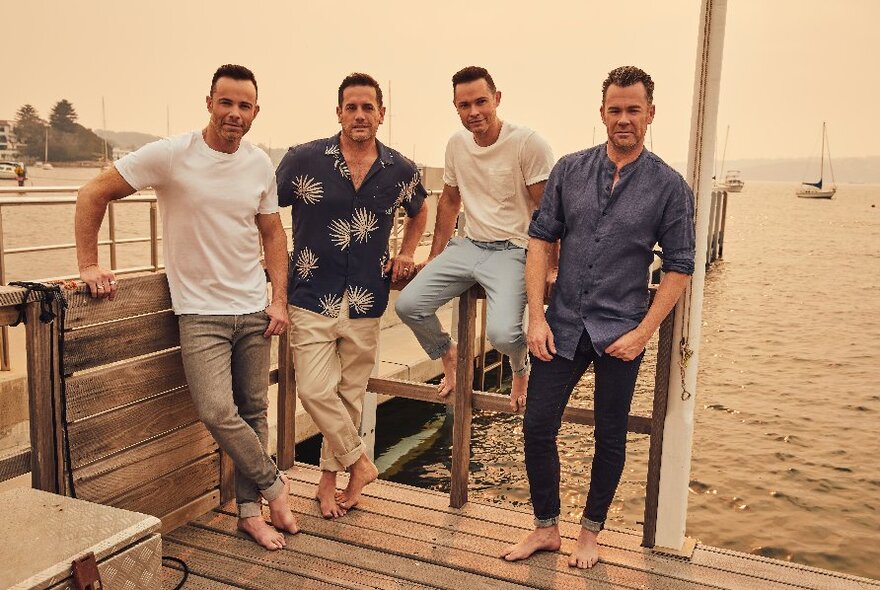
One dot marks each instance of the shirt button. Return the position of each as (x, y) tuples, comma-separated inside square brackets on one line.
[(597, 239), (590, 266), (604, 213)]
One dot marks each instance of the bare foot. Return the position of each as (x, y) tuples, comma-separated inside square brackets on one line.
[(261, 532), (362, 472), (586, 552), (518, 390), (540, 539), (279, 510), (327, 496), (447, 384)]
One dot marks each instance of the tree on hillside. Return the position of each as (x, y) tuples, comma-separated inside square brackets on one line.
[(30, 130), (63, 116)]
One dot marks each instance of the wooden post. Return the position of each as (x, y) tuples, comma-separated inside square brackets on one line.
[(679, 423), (286, 405), (710, 242), (658, 418), (723, 223), (47, 462), (463, 403), (227, 478), (716, 225)]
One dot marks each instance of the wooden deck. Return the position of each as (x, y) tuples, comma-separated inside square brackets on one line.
[(404, 537)]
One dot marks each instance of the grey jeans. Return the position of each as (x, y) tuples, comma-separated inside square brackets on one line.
[(226, 361), (499, 267)]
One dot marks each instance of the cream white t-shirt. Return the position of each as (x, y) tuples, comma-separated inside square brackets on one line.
[(209, 201), (492, 181)]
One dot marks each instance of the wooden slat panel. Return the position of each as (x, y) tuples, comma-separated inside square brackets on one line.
[(491, 402), (16, 463), (105, 434), (42, 369), (108, 343), (228, 570), (187, 512), (162, 495), (305, 555), (136, 296), (119, 385), (109, 478)]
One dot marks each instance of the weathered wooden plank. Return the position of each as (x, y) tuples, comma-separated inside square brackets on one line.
[(43, 402), (172, 574), (382, 553), (108, 343), (111, 477), (227, 477), (286, 404), (228, 570), (304, 555), (108, 433), (163, 495), (119, 385), (470, 533), (463, 402), (8, 315), (490, 402), (658, 420), (135, 296), (187, 512), (15, 463)]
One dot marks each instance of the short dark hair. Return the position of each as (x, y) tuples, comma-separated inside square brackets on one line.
[(627, 76), (234, 71), (360, 79), (472, 74)]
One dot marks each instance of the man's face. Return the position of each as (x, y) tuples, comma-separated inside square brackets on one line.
[(360, 114), (626, 114), (476, 105), (233, 107)]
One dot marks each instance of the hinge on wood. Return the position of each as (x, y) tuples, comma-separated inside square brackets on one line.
[(85, 573)]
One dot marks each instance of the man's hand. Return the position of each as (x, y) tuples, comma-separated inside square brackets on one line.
[(630, 345), (277, 312), (102, 283), (541, 339), (401, 267)]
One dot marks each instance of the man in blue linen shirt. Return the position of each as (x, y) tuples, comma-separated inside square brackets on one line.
[(607, 206)]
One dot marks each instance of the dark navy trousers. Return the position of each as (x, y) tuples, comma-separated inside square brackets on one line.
[(550, 386)]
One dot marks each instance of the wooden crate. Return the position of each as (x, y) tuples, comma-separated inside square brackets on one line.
[(44, 533)]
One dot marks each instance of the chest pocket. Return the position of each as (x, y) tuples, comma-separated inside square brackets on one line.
[(502, 183)]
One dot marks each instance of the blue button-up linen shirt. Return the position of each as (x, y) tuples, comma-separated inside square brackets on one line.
[(607, 239), (340, 236)]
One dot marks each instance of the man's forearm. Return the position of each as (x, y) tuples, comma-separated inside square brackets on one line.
[(275, 248), (413, 228), (87, 222), (537, 263), (672, 285), (447, 213)]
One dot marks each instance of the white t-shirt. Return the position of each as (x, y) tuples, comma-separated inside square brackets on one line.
[(209, 201), (492, 181)]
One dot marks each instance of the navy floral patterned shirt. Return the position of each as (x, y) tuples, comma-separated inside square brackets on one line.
[(340, 236)]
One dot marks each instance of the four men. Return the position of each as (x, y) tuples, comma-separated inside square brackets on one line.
[(604, 209)]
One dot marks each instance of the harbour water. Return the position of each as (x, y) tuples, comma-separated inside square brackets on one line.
[(786, 459)]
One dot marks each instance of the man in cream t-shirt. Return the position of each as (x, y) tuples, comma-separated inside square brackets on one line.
[(218, 197), (497, 170)]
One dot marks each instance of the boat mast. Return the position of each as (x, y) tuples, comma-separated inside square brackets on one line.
[(822, 158), (724, 155)]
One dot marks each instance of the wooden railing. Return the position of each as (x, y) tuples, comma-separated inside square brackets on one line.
[(47, 364)]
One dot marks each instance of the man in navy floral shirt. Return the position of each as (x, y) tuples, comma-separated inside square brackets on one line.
[(344, 192)]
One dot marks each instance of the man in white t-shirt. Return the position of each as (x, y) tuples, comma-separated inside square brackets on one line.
[(497, 170), (217, 196)]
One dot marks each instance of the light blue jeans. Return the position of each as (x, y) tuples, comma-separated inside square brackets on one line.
[(498, 267), (226, 362)]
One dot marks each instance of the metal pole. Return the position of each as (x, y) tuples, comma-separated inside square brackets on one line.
[(154, 237), (111, 214), (4, 332), (679, 423)]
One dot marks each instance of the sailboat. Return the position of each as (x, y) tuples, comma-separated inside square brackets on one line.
[(732, 182), (816, 190)]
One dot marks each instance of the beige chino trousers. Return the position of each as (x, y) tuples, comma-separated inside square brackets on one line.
[(333, 359)]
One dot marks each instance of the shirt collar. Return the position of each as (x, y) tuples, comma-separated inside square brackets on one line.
[(611, 166), (333, 149)]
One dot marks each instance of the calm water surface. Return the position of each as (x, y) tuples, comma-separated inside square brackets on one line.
[(786, 459)]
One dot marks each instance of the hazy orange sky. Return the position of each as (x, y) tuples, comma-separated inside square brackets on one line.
[(788, 65)]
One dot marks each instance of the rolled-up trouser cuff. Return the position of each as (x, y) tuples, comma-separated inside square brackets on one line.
[(592, 525), (543, 523), (274, 490), (250, 509), (526, 367), (436, 353), (343, 462)]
